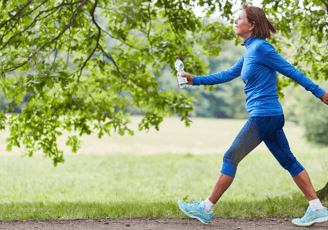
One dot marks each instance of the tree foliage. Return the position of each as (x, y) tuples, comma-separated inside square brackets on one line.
[(39, 38), (56, 52)]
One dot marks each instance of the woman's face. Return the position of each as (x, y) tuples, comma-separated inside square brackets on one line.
[(242, 25)]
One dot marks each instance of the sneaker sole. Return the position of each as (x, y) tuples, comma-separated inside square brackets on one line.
[(319, 220), (195, 217)]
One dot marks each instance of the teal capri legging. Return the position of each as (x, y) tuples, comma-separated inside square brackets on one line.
[(258, 129)]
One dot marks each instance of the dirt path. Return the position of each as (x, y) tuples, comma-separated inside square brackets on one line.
[(281, 223)]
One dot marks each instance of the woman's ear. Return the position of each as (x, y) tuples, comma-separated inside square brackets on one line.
[(252, 26)]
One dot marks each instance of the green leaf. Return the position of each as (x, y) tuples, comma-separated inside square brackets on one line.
[(144, 107)]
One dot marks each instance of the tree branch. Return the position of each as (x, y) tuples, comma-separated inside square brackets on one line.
[(34, 9), (129, 45), (112, 59), (98, 39), (119, 71), (106, 32), (9, 30), (60, 34), (56, 52), (149, 14), (67, 26), (18, 13), (34, 21), (12, 37)]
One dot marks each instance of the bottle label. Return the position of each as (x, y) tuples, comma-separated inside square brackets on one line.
[(182, 80)]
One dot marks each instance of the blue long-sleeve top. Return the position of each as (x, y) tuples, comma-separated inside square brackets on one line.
[(258, 68)]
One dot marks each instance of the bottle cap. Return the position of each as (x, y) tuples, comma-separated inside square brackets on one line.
[(177, 57)]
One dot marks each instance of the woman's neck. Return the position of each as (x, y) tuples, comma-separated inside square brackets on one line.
[(246, 35)]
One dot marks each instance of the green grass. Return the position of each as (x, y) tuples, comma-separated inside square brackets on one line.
[(132, 185)]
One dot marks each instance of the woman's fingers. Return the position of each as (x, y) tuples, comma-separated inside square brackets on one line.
[(189, 77), (185, 75)]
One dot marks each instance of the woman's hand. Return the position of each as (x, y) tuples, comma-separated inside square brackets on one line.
[(190, 78), (324, 98)]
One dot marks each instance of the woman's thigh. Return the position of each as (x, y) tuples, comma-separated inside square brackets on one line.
[(247, 139), (251, 135)]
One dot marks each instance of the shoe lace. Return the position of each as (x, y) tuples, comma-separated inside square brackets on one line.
[(197, 203)]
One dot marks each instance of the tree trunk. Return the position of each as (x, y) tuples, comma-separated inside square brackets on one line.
[(323, 193)]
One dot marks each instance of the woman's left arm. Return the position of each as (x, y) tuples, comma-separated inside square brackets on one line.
[(268, 56)]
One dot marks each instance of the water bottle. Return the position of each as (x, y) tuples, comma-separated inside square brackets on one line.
[(182, 81)]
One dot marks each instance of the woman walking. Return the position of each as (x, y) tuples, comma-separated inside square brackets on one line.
[(258, 68)]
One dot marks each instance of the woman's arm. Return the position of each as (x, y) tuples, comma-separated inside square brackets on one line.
[(269, 57), (220, 77)]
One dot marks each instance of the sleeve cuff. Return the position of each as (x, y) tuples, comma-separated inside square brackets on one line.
[(196, 80), (319, 93)]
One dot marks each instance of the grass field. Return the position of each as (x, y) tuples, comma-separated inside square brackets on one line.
[(145, 175)]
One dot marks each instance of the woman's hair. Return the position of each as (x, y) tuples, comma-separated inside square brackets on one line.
[(256, 15)]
